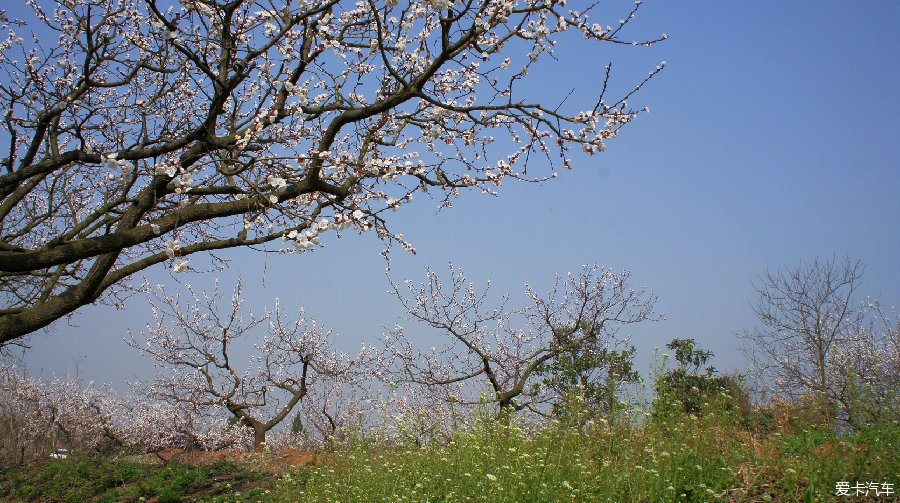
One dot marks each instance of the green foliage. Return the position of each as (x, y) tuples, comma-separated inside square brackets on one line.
[(98, 480), (687, 390), (297, 424), (689, 359), (590, 376), (807, 440), (76, 480), (864, 404)]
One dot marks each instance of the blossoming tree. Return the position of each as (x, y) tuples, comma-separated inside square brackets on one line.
[(505, 350), (139, 134), (806, 313), (815, 338), (39, 416), (864, 369), (198, 344)]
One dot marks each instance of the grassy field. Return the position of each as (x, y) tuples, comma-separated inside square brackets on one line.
[(713, 458)]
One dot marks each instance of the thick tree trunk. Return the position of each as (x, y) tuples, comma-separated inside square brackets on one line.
[(259, 438)]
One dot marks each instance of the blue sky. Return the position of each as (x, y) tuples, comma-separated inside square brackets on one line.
[(773, 137)]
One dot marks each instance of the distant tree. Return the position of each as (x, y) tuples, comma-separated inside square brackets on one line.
[(485, 346), (689, 359), (330, 413), (687, 384), (38, 417), (197, 341), (806, 313), (141, 134)]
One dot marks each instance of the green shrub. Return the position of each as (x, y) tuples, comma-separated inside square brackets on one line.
[(687, 390)]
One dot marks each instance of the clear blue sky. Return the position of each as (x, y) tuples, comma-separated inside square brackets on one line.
[(774, 136)]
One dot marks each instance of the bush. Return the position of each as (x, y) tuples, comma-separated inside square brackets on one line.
[(807, 412), (687, 390)]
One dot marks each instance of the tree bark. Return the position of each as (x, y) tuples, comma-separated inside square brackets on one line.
[(259, 437)]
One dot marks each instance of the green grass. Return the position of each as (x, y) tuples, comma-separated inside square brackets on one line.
[(688, 459), (684, 459), (94, 480), (78, 480)]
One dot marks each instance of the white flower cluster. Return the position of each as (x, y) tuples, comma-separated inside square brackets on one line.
[(321, 226), (276, 182), (258, 124), (167, 169), (495, 14), (616, 119), (440, 4), (590, 137), (310, 237), (111, 161), (173, 249), (357, 98), (182, 183), (380, 166), (199, 7), (390, 167), (304, 240)]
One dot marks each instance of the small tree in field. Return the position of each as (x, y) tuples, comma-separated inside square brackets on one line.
[(484, 345), (145, 132), (690, 387), (197, 343), (591, 373)]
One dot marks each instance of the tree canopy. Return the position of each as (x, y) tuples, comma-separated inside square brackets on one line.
[(139, 134)]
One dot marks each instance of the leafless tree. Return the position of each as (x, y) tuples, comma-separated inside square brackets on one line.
[(806, 313), (198, 344), (139, 135), (484, 344)]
